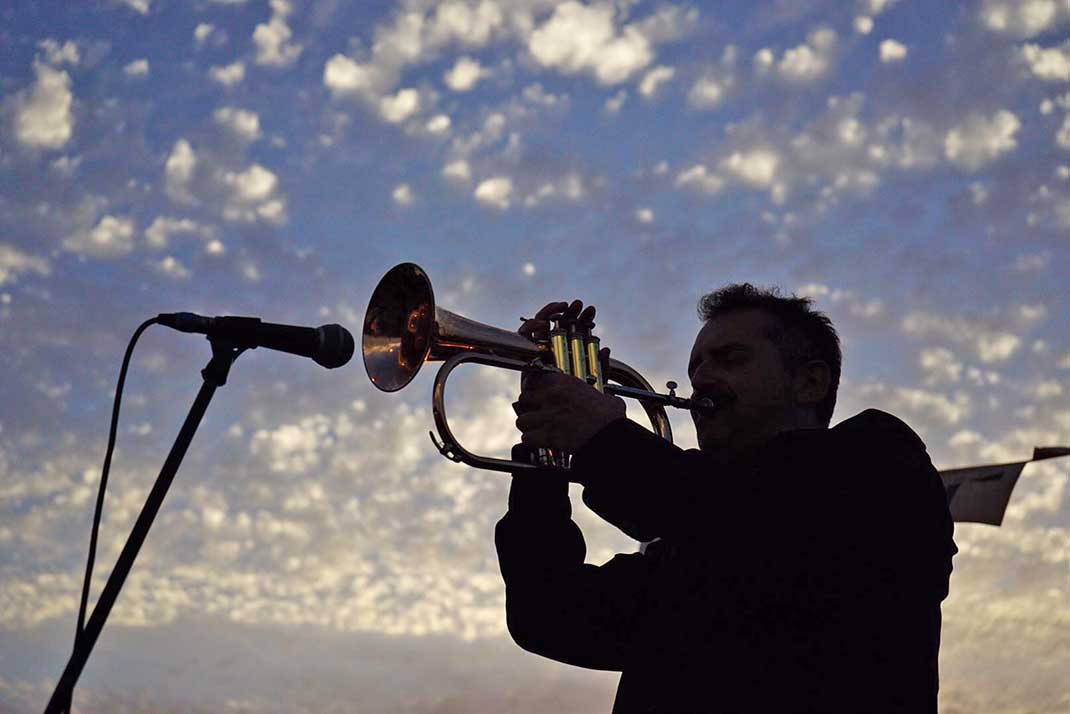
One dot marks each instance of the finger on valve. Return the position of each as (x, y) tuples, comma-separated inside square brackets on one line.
[(538, 328)]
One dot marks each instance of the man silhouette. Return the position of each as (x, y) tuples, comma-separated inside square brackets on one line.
[(795, 568)]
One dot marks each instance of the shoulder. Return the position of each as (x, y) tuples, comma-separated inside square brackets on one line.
[(874, 426), (881, 442), (870, 432)]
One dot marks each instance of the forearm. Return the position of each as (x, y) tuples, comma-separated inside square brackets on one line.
[(556, 605), (537, 538), (639, 482)]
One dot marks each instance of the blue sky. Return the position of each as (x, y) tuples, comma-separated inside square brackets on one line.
[(905, 163)]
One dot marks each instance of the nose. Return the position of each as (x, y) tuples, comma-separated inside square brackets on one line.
[(703, 380), (708, 380)]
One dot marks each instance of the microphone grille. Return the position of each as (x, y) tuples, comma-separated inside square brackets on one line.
[(336, 346)]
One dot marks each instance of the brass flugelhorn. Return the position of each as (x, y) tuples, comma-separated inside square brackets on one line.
[(403, 329)]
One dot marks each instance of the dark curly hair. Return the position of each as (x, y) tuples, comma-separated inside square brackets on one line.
[(804, 334)]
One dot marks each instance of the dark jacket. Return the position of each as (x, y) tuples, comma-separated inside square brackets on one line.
[(807, 579)]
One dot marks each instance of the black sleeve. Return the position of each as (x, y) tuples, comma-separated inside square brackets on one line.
[(837, 511), (642, 484), (893, 498), (556, 605)]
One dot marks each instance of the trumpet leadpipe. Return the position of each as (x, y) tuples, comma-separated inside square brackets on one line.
[(702, 406)]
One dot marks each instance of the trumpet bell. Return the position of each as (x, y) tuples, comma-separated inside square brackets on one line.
[(403, 329), (398, 327)]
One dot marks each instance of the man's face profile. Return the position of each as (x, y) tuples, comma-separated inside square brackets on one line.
[(734, 363)]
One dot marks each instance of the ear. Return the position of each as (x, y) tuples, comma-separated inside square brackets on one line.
[(810, 383)]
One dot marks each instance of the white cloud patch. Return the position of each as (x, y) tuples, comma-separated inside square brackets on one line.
[(242, 123), (653, 79), (202, 33), (465, 74), (1062, 139), (892, 51), (1032, 262), (158, 235), (1049, 206), (294, 448), (14, 262), (171, 267), (412, 37), (569, 187), (489, 134), (458, 170), (1023, 18), (980, 140), (940, 365), (585, 39), (614, 103), (698, 177), (863, 24), (253, 196), (138, 69), (345, 77), (1051, 64), (756, 167), (804, 63), (398, 107), (536, 95), (496, 192), (178, 172), (990, 344), (438, 124), (402, 195), (141, 7), (57, 54), (706, 93), (570, 38), (272, 39), (247, 195), (876, 7), (945, 409), (715, 81), (855, 305), (840, 152), (111, 237), (1049, 105), (43, 113), (1046, 389), (228, 75)]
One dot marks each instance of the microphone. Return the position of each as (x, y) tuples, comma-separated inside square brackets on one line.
[(328, 345)]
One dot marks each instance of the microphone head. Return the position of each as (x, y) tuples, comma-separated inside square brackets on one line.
[(335, 346)]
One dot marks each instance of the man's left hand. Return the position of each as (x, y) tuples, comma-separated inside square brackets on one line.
[(558, 411)]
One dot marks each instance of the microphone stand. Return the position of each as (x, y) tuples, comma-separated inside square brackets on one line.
[(215, 375)]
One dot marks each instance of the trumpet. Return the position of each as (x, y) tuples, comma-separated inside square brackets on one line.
[(403, 329)]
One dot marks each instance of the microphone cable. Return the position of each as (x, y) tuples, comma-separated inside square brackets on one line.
[(104, 483)]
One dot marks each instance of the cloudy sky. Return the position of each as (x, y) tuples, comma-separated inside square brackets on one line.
[(905, 163)]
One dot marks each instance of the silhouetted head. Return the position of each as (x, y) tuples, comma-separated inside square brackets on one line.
[(770, 363)]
